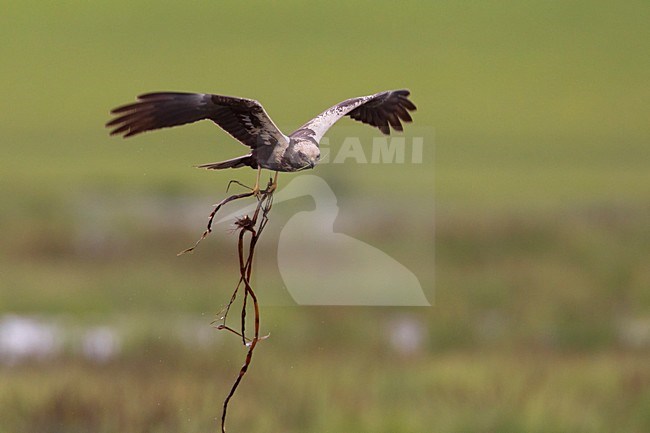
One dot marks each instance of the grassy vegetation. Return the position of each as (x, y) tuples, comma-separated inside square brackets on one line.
[(455, 392), (535, 254)]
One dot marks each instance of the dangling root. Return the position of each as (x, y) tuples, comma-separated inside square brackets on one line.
[(246, 250)]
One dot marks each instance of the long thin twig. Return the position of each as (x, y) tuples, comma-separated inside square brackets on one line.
[(218, 206), (254, 227)]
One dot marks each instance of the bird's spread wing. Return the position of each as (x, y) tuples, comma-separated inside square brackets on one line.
[(244, 119), (379, 110)]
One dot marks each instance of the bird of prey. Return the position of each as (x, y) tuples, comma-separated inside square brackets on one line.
[(247, 121)]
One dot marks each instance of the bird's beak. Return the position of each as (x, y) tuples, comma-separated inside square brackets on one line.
[(311, 164)]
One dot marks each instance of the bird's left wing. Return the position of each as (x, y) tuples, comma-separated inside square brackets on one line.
[(379, 110), (244, 119)]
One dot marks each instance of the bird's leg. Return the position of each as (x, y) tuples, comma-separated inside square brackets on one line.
[(256, 188), (274, 184)]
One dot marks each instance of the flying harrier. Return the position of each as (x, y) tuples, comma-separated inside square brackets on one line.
[(247, 121)]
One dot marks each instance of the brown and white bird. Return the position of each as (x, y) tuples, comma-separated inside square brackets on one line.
[(247, 121)]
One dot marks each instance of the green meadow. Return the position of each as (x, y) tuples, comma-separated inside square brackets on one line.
[(526, 222)]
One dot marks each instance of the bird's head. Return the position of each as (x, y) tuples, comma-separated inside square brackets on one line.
[(305, 155)]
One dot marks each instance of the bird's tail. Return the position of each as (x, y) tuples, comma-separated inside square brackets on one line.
[(240, 161)]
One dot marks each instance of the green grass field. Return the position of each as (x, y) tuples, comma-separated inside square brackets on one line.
[(526, 221)]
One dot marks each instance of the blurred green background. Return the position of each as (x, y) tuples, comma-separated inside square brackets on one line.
[(534, 194)]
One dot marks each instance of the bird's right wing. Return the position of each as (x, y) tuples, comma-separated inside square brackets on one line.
[(379, 110), (244, 119)]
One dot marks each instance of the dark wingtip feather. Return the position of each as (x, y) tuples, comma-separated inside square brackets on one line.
[(408, 104), (131, 133), (113, 122), (127, 107)]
